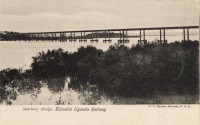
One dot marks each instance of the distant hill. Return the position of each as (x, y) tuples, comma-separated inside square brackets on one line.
[(103, 35)]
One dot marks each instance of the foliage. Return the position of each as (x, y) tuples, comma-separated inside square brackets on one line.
[(142, 70)]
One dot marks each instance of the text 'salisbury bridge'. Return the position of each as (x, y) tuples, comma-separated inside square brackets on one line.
[(93, 35)]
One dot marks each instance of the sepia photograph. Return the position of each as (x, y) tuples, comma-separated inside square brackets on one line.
[(99, 52)]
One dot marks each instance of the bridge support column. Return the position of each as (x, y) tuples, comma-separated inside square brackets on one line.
[(32, 37), (52, 38), (104, 41), (126, 40), (144, 36), (164, 36), (45, 37), (120, 38), (123, 37), (56, 38), (164, 40), (95, 37), (140, 42), (107, 35), (183, 34), (82, 39), (85, 40), (38, 37), (186, 34), (160, 35), (92, 37), (144, 41), (72, 37), (62, 37)]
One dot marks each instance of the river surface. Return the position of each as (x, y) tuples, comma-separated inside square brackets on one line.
[(17, 54)]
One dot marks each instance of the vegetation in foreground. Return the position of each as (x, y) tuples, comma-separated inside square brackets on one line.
[(139, 71)]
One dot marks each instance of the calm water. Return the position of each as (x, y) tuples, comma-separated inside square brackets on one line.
[(51, 92), (18, 55), (54, 93)]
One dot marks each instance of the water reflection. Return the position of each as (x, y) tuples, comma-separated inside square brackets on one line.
[(55, 85), (55, 91), (59, 92)]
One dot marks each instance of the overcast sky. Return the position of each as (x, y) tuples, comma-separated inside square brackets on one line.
[(63, 15)]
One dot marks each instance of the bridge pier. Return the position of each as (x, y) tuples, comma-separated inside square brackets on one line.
[(120, 37), (94, 37), (107, 36), (52, 38), (144, 41), (37, 37), (72, 37), (126, 39), (186, 34), (41, 37), (45, 37), (32, 37), (162, 31), (27, 37), (61, 37), (83, 39), (55, 38)]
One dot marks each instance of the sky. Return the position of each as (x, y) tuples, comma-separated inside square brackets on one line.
[(65, 15)]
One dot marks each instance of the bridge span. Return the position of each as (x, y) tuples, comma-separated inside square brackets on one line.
[(94, 35)]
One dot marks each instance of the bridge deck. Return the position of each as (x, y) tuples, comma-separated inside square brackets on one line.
[(128, 29)]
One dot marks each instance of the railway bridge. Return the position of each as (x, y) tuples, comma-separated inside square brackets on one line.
[(94, 35)]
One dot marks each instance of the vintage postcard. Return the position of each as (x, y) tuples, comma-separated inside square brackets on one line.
[(99, 62)]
